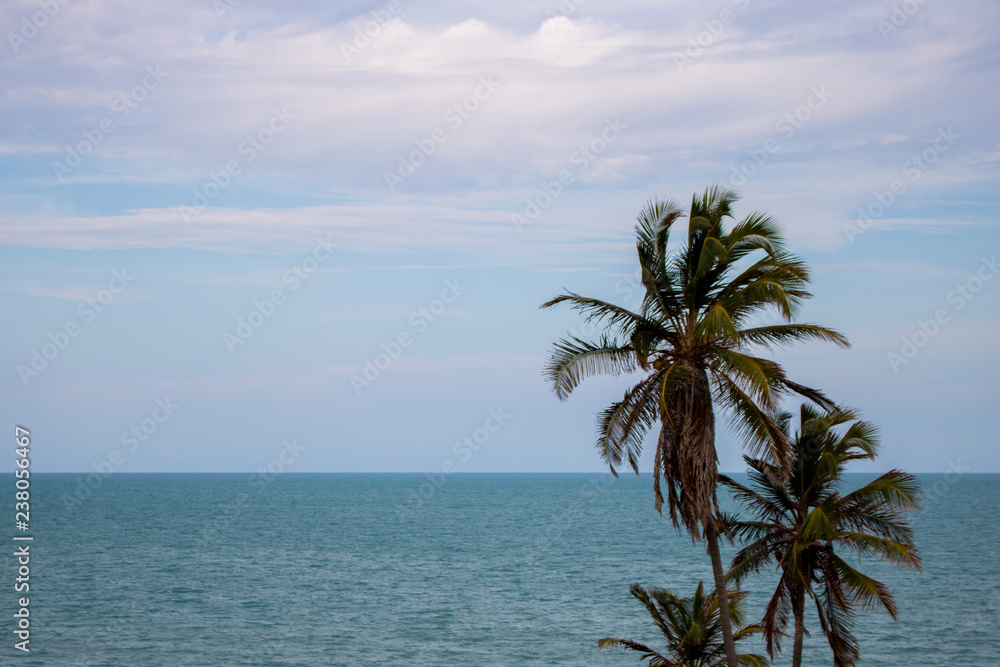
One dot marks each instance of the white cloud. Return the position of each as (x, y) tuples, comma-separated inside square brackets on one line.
[(558, 79)]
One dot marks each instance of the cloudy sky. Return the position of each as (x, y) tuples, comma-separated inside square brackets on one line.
[(218, 214)]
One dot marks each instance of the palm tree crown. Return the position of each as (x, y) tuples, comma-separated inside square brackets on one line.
[(802, 524), (692, 341), (690, 627)]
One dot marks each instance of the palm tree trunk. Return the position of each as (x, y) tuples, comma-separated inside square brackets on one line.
[(798, 608), (712, 537)]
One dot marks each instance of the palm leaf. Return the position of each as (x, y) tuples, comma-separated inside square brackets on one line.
[(622, 426), (895, 488), (786, 334), (574, 359)]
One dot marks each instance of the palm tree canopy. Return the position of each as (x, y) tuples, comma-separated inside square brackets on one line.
[(690, 627), (802, 525), (694, 341)]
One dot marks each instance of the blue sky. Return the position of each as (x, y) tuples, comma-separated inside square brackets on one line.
[(169, 171)]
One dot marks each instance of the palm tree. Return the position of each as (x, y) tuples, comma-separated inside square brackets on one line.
[(690, 627), (803, 525), (692, 341)]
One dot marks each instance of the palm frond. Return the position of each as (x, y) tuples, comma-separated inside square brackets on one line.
[(574, 359), (615, 317), (752, 500), (716, 325), (646, 652), (891, 551), (836, 618), (814, 395), (757, 231), (866, 592), (782, 335), (776, 614), (751, 423), (895, 489), (758, 377), (622, 426)]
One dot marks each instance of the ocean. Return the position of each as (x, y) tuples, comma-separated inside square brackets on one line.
[(397, 569)]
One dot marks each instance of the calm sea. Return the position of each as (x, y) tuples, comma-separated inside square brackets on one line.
[(355, 569)]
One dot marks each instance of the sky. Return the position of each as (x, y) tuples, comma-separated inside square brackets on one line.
[(235, 233)]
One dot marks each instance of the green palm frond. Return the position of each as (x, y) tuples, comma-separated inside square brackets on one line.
[(772, 508), (782, 335), (818, 526), (878, 520), (894, 489), (653, 227), (836, 618), (574, 359), (757, 555), (769, 283), (716, 325), (748, 659), (865, 592), (712, 253), (862, 436), (646, 653), (776, 615), (756, 232), (751, 423), (617, 318), (891, 551), (622, 426), (760, 378), (814, 395)]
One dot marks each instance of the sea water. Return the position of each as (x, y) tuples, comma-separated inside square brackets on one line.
[(395, 569)]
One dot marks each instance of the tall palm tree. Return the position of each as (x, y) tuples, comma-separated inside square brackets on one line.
[(693, 340), (803, 525), (691, 629)]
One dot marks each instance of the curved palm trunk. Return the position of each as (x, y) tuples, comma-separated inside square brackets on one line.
[(720, 587), (798, 608)]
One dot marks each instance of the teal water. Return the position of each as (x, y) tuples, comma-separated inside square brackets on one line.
[(353, 569)]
